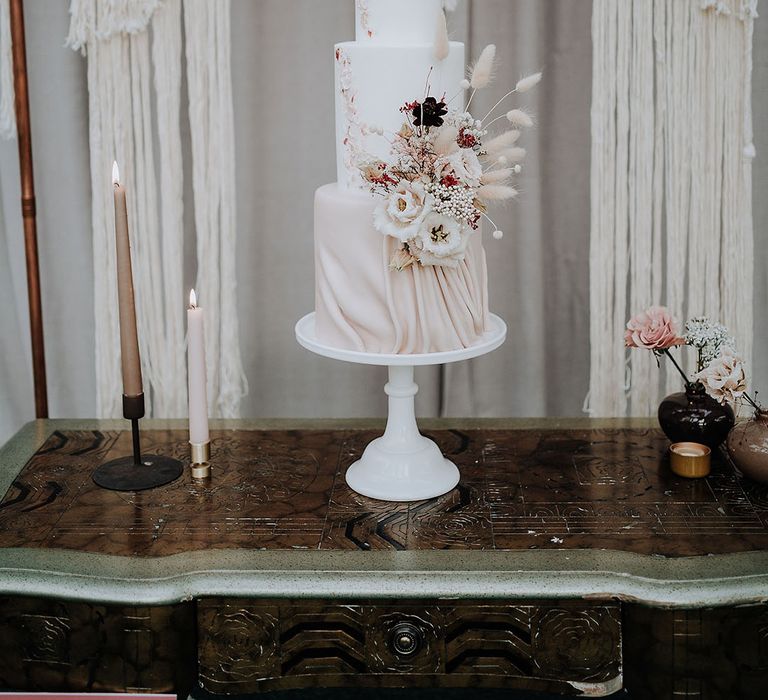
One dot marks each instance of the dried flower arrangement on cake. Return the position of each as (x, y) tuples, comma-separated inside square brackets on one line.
[(445, 170)]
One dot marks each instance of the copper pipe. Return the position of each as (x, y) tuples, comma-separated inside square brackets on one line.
[(24, 134)]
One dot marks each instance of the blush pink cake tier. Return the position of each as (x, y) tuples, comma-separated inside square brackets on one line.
[(361, 303)]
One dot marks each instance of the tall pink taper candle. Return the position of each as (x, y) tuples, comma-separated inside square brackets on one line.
[(198, 395), (129, 338)]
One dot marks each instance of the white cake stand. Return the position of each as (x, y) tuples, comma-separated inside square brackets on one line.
[(402, 464)]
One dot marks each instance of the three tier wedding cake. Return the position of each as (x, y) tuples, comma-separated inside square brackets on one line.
[(399, 260)]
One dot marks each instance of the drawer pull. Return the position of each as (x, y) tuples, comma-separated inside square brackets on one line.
[(406, 639)]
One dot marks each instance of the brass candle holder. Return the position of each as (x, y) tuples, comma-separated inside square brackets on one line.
[(690, 459), (136, 472), (201, 459)]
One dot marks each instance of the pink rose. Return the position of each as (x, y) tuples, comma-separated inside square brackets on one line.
[(654, 329)]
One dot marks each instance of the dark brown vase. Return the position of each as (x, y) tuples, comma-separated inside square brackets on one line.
[(748, 446), (694, 416)]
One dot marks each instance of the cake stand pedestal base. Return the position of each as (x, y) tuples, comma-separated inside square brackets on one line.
[(402, 464)]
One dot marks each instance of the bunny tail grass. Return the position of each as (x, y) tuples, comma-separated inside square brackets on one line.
[(442, 46), (496, 192), (525, 84), (482, 72)]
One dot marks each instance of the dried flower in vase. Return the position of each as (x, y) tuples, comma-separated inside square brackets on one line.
[(724, 378), (719, 369), (658, 330), (653, 329), (708, 338)]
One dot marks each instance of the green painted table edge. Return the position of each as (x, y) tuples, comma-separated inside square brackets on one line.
[(685, 582)]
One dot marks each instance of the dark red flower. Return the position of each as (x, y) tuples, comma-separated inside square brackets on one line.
[(429, 113), (465, 139)]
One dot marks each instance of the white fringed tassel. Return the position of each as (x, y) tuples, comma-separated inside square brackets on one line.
[(209, 82), (607, 376), (122, 128), (166, 58), (644, 277), (671, 180), (737, 280), (7, 108)]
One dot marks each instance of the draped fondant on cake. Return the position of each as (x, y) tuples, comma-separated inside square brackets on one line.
[(361, 303)]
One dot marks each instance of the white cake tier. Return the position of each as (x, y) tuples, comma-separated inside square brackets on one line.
[(372, 83), (398, 22), (363, 305)]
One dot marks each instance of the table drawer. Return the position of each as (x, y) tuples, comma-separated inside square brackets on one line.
[(559, 646), (58, 645)]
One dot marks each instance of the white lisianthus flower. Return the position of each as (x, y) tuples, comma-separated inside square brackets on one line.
[(464, 165), (441, 241), (401, 213), (724, 377)]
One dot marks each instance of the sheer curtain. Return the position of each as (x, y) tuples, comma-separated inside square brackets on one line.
[(284, 138)]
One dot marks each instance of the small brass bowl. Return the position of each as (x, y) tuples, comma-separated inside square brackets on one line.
[(690, 459)]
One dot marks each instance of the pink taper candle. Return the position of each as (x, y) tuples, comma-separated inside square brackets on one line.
[(129, 338), (198, 395)]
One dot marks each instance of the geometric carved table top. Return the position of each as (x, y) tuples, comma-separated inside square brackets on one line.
[(584, 498), (515, 574), (523, 489)]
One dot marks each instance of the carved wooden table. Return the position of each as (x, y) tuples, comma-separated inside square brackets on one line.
[(569, 559)]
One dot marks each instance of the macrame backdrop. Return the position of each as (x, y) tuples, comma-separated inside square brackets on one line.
[(211, 120), (671, 182), (127, 118)]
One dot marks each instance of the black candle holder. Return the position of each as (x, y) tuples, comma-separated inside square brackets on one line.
[(137, 472)]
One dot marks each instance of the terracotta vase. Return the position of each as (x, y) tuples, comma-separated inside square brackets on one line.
[(748, 447), (694, 416)]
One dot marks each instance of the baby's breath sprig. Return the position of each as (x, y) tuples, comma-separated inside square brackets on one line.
[(708, 338)]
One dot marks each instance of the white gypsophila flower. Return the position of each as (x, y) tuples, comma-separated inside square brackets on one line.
[(441, 241), (466, 122), (461, 120), (700, 331), (708, 338), (463, 164), (724, 377), (401, 213), (710, 352)]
